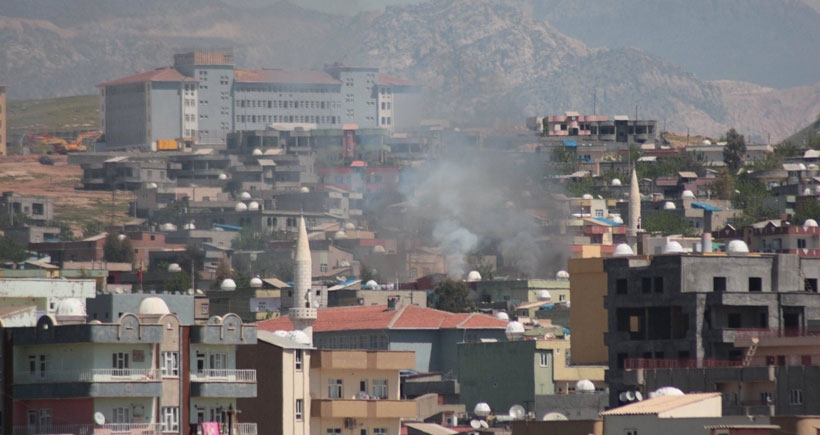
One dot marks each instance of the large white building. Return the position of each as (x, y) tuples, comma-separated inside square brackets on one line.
[(203, 97)]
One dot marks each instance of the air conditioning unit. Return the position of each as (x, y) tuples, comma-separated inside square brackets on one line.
[(350, 423)]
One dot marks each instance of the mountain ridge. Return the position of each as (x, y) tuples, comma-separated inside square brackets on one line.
[(481, 61)]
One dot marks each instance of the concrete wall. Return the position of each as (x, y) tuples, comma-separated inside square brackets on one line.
[(166, 110), (125, 115), (501, 374), (588, 285)]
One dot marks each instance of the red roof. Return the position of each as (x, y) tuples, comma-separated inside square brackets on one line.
[(157, 75), (379, 317), (282, 76), (394, 81)]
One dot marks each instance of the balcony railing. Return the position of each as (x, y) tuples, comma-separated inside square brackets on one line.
[(90, 429), (94, 375), (239, 429), (746, 333), (224, 375), (755, 361)]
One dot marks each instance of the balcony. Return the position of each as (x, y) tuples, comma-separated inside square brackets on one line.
[(91, 429), (94, 375), (340, 408), (88, 383), (223, 383), (363, 360)]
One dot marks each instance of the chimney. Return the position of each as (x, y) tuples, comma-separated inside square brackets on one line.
[(392, 302), (706, 242)]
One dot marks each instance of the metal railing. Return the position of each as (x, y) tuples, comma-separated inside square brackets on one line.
[(224, 375), (239, 429), (755, 361), (90, 429), (93, 375), (773, 332)]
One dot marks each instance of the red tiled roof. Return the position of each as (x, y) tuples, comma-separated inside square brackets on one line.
[(379, 317), (282, 76), (157, 75), (394, 81)]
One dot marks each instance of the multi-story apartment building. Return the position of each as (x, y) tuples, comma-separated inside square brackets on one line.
[(211, 109), (691, 306), (596, 128), (359, 391), (138, 110), (3, 124), (145, 373), (203, 97), (39, 209)]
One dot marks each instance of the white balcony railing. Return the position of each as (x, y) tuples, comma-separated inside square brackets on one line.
[(94, 375), (224, 375), (239, 429), (90, 429)]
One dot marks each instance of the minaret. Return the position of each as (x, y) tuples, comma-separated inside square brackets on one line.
[(302, 312), (634, 211)]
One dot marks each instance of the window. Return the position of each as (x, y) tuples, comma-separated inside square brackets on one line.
[(621, 286), (719, 284), (299, 409), (796, 397), (119, 363), (766, 398), (630, 431), (646, 285), (43, 365), (334, 388), (170, 419), (298, 358), (203, 309), (45, 418), (121, 415), (219, 361), (380, 388), (334, 431), (379, 431), (734, 320), (658, 284), (544, 359), (323, 267), (801, 243), (755, 284), (170, 364)]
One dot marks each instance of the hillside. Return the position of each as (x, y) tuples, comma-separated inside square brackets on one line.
[(481, 61), (773, 43)]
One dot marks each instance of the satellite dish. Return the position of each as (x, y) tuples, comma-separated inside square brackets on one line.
[(484, 424), (475, 424), (99, 418), (554, 416), (622, 397), (517, 412), (316, 304), (638, 396), (630, 396)]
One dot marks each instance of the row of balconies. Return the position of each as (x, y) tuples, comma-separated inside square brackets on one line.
[(130, 383), (119, 429)]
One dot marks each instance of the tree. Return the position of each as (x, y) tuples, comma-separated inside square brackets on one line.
[(452, 296), (723, 187), (118, 249), (806, 210), (11, 250), (180, 282), (250, 240), (734, 153), (667, 223)]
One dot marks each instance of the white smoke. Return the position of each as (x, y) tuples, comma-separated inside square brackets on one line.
[(455, 242)]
